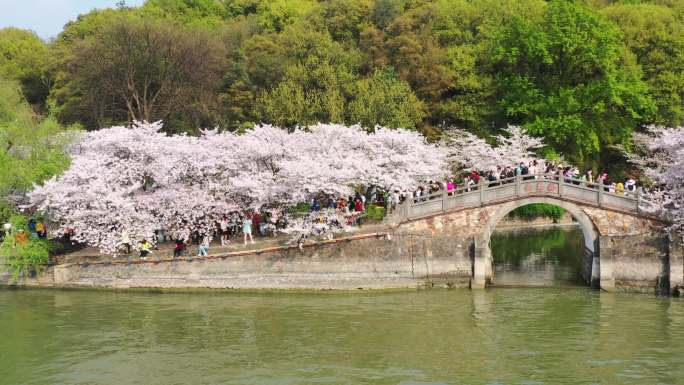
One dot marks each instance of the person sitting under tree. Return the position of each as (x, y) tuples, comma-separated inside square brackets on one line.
[(203, 249)]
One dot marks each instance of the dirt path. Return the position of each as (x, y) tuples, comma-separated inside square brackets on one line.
[(164, 251)]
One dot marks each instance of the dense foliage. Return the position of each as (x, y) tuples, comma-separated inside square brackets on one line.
[(538, 210), (583, 74), (31, 149)]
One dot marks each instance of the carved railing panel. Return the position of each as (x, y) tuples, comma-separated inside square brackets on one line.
[(550, 185)]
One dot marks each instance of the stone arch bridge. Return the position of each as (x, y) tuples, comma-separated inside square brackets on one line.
[(625, 247)]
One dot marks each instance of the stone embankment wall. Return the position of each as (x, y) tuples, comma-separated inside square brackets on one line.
[(374, 261)]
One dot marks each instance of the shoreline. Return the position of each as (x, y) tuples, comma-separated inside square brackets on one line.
[(416, 256), (536, 226), (216, 291)]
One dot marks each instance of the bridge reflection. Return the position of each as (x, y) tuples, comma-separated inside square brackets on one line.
[(540, 256)]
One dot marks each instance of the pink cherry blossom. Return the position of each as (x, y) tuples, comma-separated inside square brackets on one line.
[(137, 179)]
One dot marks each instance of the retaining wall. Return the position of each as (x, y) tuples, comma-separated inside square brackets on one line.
[(380, 261)]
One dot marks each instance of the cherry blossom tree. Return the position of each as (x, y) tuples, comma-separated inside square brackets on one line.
[(516, 146), (468, 151), (134, 180), (659, 152), (137, 179), (323, 224)]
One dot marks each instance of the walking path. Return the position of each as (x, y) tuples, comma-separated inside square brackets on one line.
[(164, 251)]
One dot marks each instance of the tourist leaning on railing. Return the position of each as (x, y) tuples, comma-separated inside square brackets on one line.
[(501, 175)]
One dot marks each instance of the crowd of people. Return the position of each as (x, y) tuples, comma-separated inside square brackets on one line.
[(352, 208), (496, 176), (35, 229), (228, 227), (245, 225)]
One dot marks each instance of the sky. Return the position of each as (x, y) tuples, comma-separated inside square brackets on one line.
[(47, 17)]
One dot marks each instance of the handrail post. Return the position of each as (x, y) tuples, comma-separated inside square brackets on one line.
[(518, 185), (444, 199), (600, 194), (561, 182), (636, 192), (482, 188)]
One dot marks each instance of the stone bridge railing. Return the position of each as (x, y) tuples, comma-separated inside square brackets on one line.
[(523, 186)]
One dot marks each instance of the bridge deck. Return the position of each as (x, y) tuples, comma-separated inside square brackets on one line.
[(520, 187)]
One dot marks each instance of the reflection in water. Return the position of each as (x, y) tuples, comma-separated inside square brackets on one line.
[(538, 257), (494, 336)]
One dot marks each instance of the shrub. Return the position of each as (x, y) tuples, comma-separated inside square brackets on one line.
[(375, 212), (24, 259), (538, 210), (300, 209)]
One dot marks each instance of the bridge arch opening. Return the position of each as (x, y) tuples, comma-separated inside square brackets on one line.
[(589, 260)]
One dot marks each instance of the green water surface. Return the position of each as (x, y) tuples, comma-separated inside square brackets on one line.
[(547, 335), (538, 256)]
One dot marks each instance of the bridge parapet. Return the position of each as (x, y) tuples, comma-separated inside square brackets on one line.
[(520, 187)]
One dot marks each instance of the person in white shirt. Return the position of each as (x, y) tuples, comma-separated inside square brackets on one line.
[(126, 241), (395, 199), (630, 184), (532, 169), (223, 227)]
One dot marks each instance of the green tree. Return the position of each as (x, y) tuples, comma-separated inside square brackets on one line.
[(300, 76), (132, 70), (197, 13), (570, 79), (384, 11), (468, 32), (308, 94), (276, 15), (384, 100), (23, 58), (31, 150), (344, 19), (655, 35)]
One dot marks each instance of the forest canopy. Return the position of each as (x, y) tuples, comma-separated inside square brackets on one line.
[(584, 75)]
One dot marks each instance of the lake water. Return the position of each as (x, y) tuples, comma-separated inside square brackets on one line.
[(538, 256), (551, 335)]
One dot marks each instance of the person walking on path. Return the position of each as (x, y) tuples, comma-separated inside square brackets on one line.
[(247, 228), (126, 241), (223, 228), (145, 249)]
